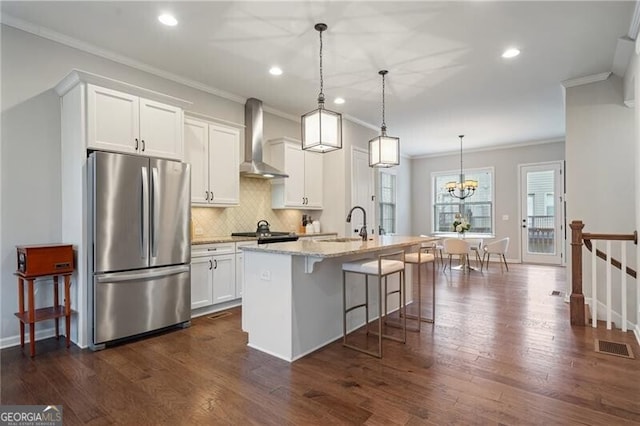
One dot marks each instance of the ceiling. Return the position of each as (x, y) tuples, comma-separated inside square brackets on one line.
[(446, 74)]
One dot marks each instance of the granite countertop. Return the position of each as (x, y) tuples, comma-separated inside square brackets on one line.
[(324, 249), (230, 239)]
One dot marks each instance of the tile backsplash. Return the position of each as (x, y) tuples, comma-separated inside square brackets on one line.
[(255, 205)]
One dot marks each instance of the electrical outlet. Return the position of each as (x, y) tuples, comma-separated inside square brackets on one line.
[(198, 231), (265, 275), (505, 217)]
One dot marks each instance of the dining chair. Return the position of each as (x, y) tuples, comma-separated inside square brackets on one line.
[(497, 247), (459, 247)]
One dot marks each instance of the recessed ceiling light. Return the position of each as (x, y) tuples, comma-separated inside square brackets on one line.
[(511, 53), (275, 71), (338, 101), (167, 19)]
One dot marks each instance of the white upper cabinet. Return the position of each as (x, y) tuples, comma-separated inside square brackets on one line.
[(303, 188), (160, 130), (113, 121), (214, 153), (196, 152), (120, 122)]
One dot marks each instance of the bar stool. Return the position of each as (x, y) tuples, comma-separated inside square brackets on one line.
[(382, 267), (422, 256)]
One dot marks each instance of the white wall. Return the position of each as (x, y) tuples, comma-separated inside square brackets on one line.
[(30, 196), (505, 162), (601, 164)]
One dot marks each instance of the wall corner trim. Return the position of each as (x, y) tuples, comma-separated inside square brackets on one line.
[(594, 78)]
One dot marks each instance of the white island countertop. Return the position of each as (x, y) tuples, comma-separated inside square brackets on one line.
[(338, 247)]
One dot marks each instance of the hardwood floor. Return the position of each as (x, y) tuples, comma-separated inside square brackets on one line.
[(501, 352)]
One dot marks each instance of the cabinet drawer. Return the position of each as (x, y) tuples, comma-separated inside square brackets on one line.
[(212, 249)]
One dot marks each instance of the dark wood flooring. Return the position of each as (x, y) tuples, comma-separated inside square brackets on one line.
[(501, 352)]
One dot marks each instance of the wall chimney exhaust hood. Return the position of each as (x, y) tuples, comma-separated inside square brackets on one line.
[(253, 165)]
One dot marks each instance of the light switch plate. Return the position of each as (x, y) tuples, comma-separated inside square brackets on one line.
[(505, 217)]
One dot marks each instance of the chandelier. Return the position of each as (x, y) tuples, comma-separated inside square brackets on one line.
[(384, 151), (463, 188), (321, 128)]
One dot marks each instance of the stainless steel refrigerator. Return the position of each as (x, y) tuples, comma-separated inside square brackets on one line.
[(140, 251)]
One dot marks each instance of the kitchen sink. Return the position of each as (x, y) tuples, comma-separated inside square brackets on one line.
[(341, 240)]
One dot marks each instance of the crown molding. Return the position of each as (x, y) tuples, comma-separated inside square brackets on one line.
[(112, 56), (198, 115), (77, 76), (57, 37), (361, 122), (489, 148), (594, 78)]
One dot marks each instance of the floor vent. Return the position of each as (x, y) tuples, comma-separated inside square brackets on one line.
[(613, 348), (219, 315), (556, 293)]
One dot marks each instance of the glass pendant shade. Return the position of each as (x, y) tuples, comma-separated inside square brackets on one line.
[(321, 130), (384, 151)]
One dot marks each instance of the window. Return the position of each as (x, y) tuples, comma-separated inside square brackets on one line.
[(549, 204), (477, 209), (387, 203)]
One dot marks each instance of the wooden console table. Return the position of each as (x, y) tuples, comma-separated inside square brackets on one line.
[(37, 262)]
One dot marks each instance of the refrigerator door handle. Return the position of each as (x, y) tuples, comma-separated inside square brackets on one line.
[(156, 211), (145, 213), (154, 273)]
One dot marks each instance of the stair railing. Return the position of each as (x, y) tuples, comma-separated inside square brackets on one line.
[(576, 300)]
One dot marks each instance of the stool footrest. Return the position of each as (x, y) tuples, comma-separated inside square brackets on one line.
[(362, 305)]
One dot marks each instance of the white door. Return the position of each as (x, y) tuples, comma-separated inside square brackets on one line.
[(201, 281), (224, 278), (196, 144), (112, 120), (542, 196), (224, 172), (362, 192), (160, 130)]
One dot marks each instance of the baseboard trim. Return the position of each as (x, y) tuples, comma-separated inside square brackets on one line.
[(11, 341), (616, 318), (636, 331)]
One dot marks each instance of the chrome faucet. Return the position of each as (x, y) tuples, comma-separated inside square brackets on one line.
[(363, 230)]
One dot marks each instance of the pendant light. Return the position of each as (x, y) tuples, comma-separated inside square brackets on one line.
[(464, 188), (321, 128), (384, 151)]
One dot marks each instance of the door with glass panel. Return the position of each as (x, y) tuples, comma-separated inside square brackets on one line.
[(541, 225)]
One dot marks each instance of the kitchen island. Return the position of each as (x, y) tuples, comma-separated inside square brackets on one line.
[(292, 301)]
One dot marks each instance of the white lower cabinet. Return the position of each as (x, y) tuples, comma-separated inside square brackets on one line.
[(213, 274)]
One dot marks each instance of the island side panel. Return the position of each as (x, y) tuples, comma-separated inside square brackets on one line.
[(317, 307), (267, 303)]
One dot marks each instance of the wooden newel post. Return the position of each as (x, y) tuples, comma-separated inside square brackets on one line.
[(576, 301)]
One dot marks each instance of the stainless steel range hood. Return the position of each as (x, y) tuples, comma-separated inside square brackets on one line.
[(253, 165)]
